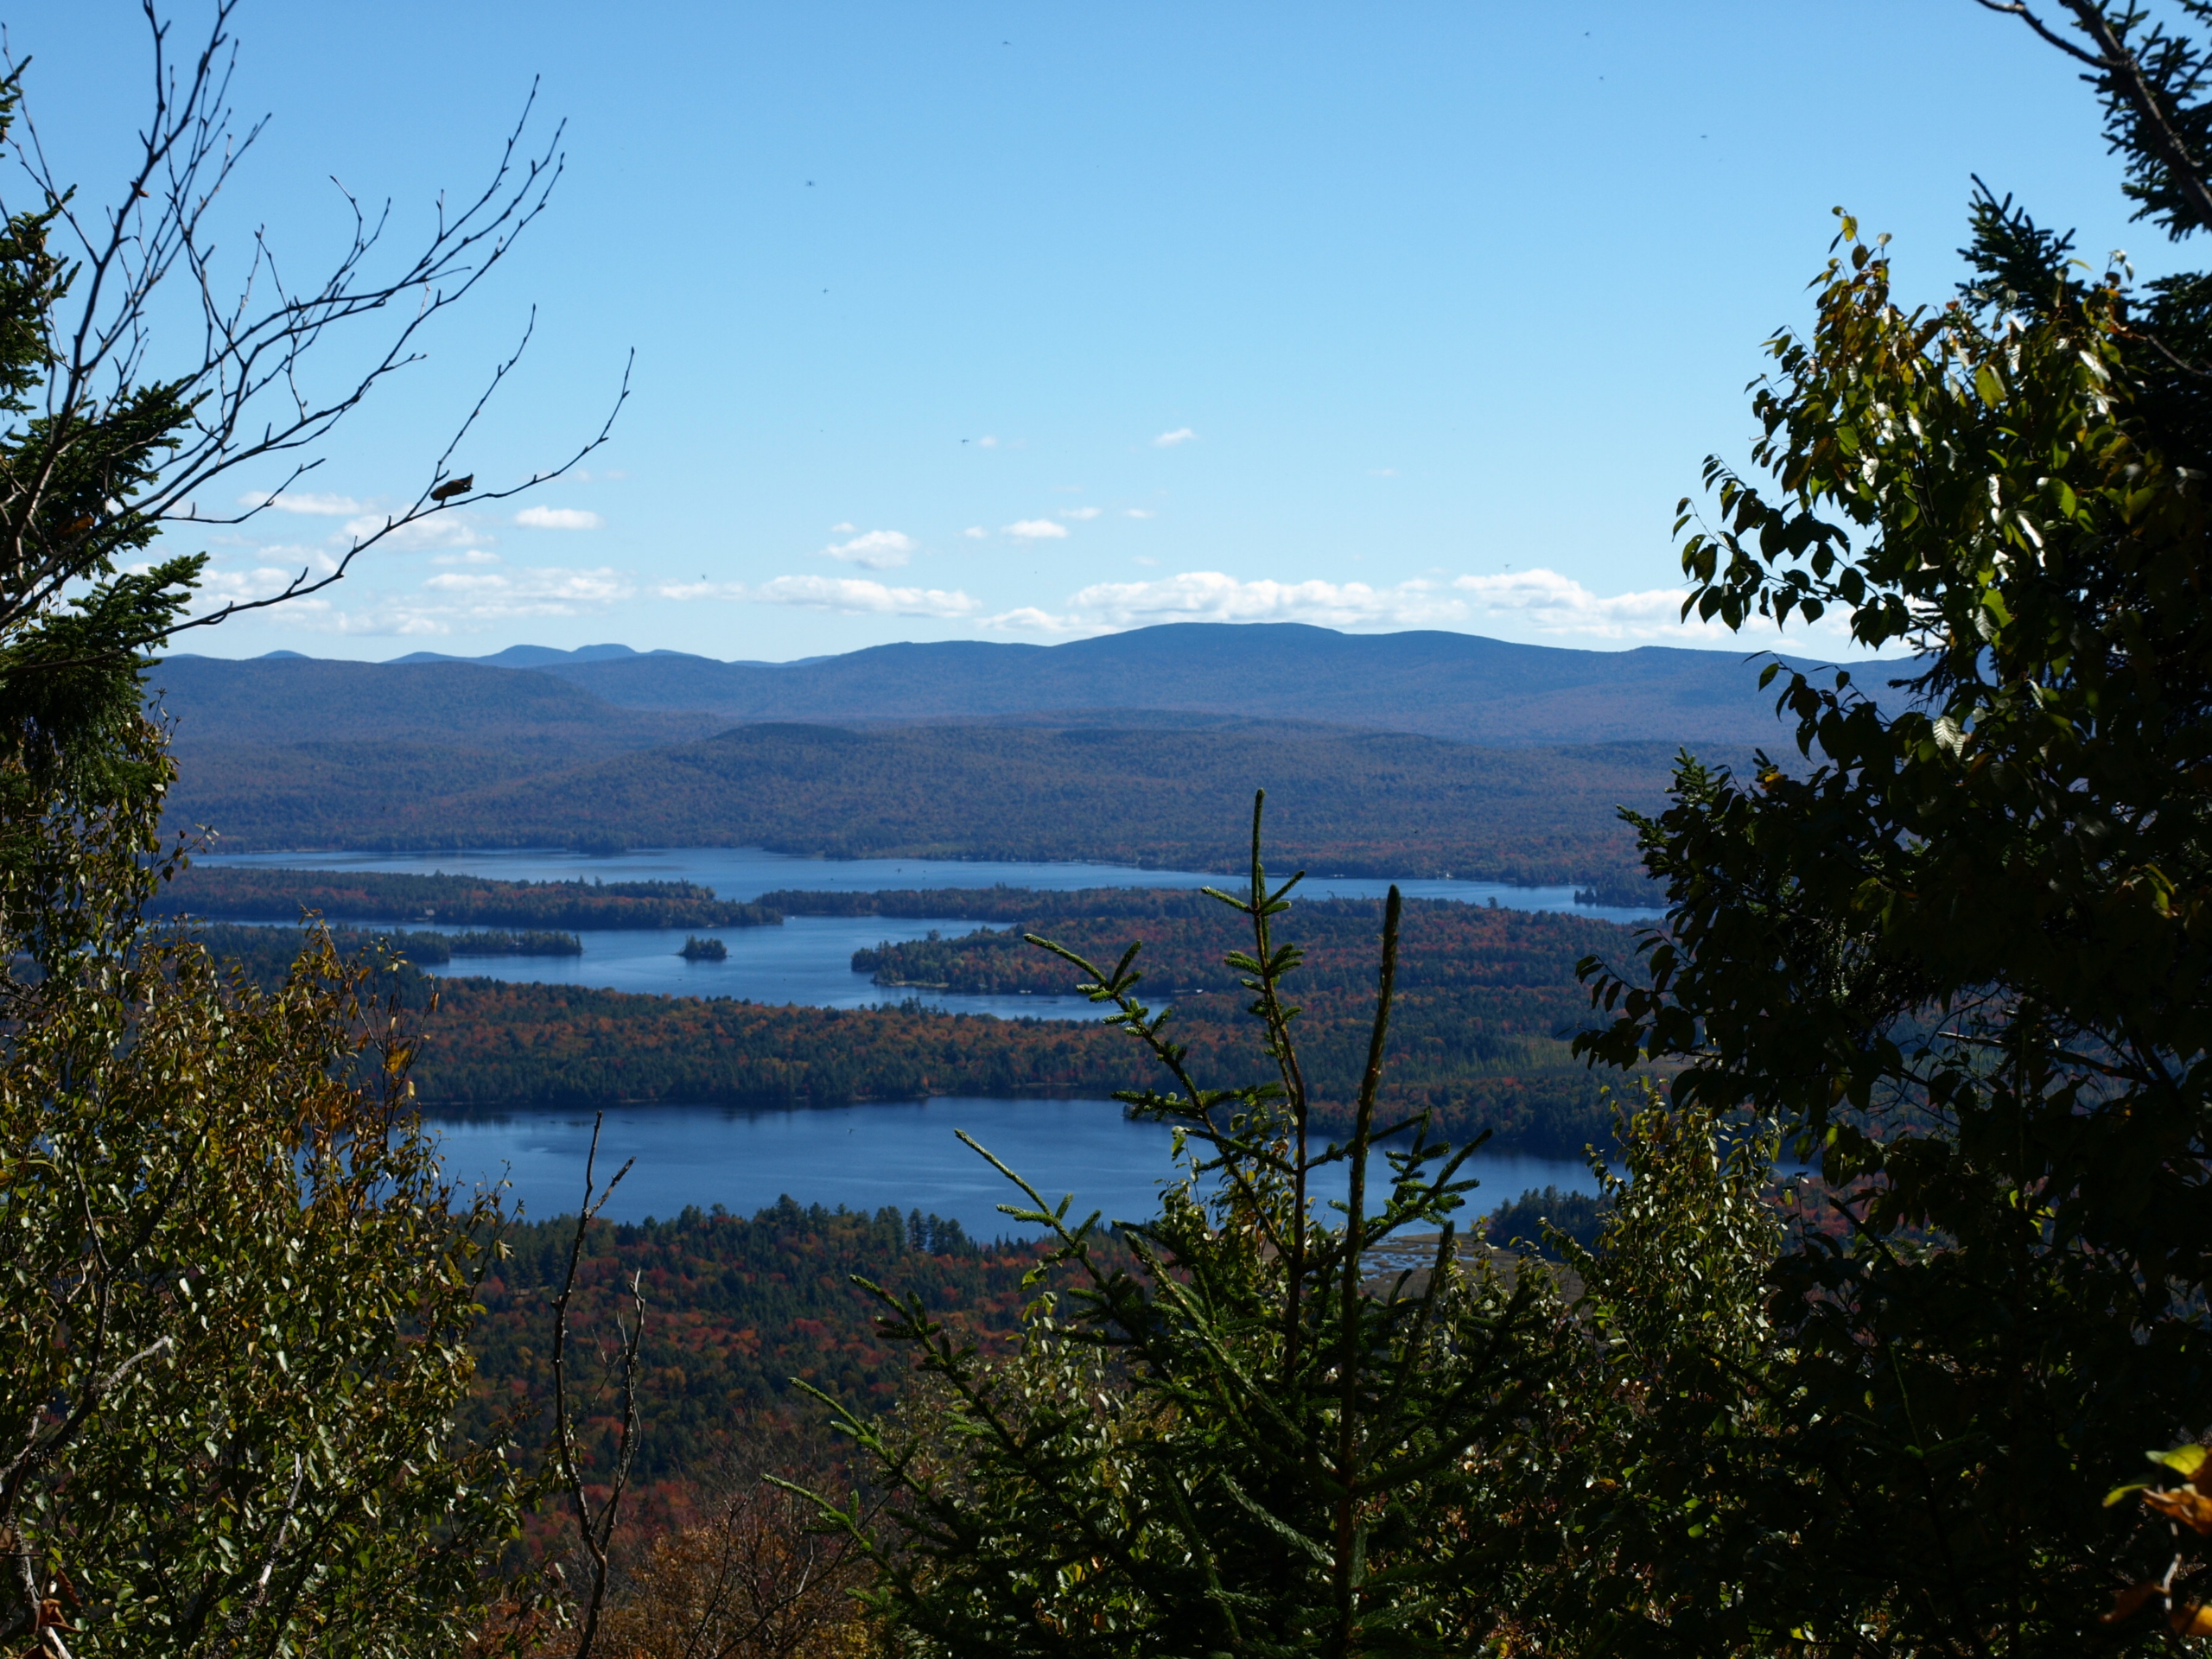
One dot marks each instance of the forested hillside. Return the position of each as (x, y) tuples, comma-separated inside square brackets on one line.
[(738, 1307), (1487, 1002), (1354, 803)]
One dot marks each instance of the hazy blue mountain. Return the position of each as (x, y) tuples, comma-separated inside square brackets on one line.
[(292, 700), (527, 656), (549, 657), (1452, 685), (1458, 686)]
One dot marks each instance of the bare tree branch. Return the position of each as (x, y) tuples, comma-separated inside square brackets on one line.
[(2018, 8), (2124, 74), (595, 1522), (248, 392)]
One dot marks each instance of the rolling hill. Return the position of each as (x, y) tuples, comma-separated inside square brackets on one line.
[(286, 701), (1458, 686), (1396, 753), (602, 699), (1354, 803)]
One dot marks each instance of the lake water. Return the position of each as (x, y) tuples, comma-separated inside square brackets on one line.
[(864, 1157), (904, 1154), (809, 958), (745, 873)]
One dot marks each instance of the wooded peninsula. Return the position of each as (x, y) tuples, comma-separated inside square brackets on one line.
[(1487, 1005)]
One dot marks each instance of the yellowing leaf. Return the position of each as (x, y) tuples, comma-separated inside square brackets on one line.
[(2183, 1460)]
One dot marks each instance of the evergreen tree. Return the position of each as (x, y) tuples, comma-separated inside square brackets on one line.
[(1961, 954), (1258, 1441)]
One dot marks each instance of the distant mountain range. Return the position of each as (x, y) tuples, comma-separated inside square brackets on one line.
[(287, 700), (1457, 686), (1341, 802), (546, 656), (1407, 753)]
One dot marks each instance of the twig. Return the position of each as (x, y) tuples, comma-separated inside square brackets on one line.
[(247, 397), (595, 1523), (2120, 72)]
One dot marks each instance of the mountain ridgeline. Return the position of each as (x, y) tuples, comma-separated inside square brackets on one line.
[(1404, 754), (1458, 686)]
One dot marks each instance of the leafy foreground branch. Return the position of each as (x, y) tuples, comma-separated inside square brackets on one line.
[(235, 1295), (236, 1307), (1960, 953)]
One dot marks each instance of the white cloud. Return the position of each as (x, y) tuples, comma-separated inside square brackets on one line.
[(218, 588), (987, 442), (308, 501), (559, 518), (1551, 603), (1211, 596), (1139, 512), (1037, 530), (879, 549), (455, 600), (975, 532), (1169, 439), (1080, 513), (549, 591), (1029, 619), (439, 529), (295, 555), (854, 595), (1541, 601), (1382, 471), (1147, 564), (842, 529)]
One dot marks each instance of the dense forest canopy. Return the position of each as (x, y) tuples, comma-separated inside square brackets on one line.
[(272, 894), (1488, 1006), (1352, 802)]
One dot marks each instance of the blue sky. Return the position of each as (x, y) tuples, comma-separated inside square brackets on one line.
[(1027, 322)]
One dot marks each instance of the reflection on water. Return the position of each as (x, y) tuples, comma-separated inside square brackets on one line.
[(904, 1154)]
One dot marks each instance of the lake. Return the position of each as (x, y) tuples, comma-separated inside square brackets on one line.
[(745, 873), (809, 958), (903, 1154)]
